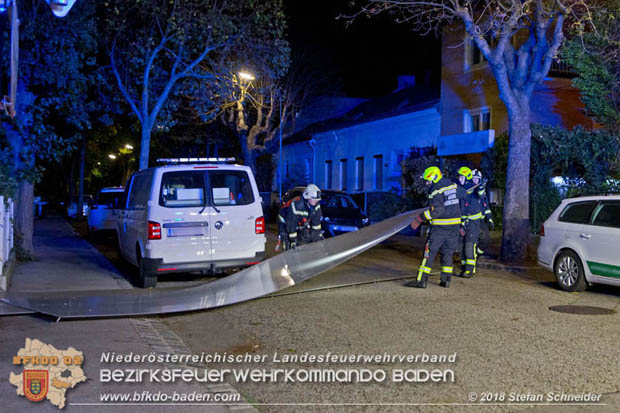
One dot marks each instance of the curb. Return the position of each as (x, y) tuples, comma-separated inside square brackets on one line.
[(7, 271)]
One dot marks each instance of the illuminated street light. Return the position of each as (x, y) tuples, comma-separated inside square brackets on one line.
[(112, 156), (246, 76), (128, 146)]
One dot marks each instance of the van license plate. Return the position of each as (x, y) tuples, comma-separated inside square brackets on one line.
[(186, 232)]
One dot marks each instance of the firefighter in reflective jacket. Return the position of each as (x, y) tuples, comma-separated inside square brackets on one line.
[(470, 215), (444, 216), (303, 218), (480, 196), (283, 240)]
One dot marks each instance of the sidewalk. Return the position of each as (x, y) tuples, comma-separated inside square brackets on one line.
[(67, 262)]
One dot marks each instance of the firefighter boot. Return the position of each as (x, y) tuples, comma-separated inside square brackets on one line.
[(445, 280), (419, 283)]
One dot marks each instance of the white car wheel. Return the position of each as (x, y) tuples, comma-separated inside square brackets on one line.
[(569, 272)]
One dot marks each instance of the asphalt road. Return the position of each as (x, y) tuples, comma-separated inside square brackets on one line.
[(508, 343), (511, 351)]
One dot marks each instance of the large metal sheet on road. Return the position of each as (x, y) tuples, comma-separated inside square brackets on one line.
[(274, 274)]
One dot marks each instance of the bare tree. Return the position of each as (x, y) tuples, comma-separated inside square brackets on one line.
[(164, 49), (519, 39), (258, 110)]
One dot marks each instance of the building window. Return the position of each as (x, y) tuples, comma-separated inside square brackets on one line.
[(343, 174), (359, 173), (328, 174), (473, 55), (378, 172), (476, 120)]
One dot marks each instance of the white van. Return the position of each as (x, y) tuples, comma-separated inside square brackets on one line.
[(191, 217)]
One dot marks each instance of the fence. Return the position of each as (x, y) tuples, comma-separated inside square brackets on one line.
[(6, 230)]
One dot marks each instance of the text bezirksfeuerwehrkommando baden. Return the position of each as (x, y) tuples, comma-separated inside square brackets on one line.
[(206, 358)]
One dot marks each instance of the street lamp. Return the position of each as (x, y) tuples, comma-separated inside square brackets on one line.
[(246, 76), (128, 146), (112, 156)]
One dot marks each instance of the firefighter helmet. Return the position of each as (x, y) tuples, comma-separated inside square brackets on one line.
[(466, 172), (312, 192), (432, 173), (476, 174)]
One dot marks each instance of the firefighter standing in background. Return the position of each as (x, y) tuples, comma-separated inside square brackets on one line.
[(485, 209), (472, 208), (303, 218), (444, 215), (470, 215), (283, 240)]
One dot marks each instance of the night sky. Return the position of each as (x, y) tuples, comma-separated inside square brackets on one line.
[(369, 54)]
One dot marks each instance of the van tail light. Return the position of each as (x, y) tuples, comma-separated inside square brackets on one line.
[(259, 225), (154, 230), (542, 230)]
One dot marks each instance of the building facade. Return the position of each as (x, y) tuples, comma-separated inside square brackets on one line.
[(364, 156), (470, 103)]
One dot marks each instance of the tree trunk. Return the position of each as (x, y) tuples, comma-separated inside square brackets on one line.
[(80, 203), (145, 143), (246, 152), (24, 216), (516, 226)]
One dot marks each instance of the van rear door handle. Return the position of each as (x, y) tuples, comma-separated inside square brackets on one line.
[(585, 236)]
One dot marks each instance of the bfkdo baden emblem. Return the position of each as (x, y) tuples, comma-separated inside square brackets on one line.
[(36, 384)]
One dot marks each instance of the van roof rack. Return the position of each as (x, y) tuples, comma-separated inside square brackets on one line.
[(195, 160)]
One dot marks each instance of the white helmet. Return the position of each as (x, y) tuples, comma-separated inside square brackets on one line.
[(476, 174), (312, 192)]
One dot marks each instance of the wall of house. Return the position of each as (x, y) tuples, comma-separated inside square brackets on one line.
[(390, 138), (555, 102)]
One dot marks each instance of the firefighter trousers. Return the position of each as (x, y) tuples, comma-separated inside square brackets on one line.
[(469, 254), (442, 239)]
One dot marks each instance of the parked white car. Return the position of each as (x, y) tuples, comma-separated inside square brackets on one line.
[(580, 242), (191, 217), (102, 215)]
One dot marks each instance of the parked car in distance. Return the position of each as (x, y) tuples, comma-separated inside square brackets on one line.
[(72, 208), (380, 205), (102, 215), (340, 212), (195, 216), (579, 242)]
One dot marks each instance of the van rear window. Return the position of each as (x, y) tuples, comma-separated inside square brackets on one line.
[(182, 189), (230, 188)]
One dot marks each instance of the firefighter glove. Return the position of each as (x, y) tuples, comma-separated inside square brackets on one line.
[(416, 222), (491, 224)]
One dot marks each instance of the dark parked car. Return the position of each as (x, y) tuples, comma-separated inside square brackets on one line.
[(340, 212)]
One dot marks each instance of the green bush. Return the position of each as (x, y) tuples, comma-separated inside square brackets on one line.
[(587, 160)]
